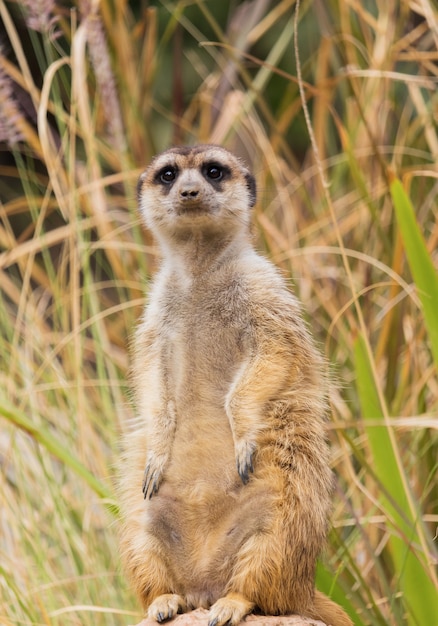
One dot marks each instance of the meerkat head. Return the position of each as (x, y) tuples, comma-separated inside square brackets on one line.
[(202, 188)]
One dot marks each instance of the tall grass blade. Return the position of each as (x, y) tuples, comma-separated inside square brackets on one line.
[(395, 501), (52, 445), (420, 262)]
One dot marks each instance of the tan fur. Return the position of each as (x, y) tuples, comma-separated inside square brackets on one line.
[(231, 399)]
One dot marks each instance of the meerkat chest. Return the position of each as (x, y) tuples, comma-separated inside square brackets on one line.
[(207, 332)]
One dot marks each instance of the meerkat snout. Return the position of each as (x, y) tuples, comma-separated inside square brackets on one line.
[(188, 186), (189, 193)]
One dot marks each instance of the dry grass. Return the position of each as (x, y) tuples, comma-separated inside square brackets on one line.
[(84, 104)]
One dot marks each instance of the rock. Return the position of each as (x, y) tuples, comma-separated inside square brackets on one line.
[(199, 617)]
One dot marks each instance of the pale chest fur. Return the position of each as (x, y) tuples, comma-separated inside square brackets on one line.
[(206, 334), (203, 334)]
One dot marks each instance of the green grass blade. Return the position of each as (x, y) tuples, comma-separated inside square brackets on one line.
[(52, 445), (396, 501), (420, 262)]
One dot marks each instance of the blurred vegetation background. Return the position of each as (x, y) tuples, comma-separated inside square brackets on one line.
[(334, 105)]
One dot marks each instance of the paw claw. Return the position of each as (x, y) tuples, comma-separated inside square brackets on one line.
[(164, 607), (229, 610), (244, 461), (151, 479)]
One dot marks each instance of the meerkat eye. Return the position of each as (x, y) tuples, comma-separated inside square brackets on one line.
[(167, 175), (215, 172)]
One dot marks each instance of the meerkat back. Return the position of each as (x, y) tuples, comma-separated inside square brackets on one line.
[(225, 483)]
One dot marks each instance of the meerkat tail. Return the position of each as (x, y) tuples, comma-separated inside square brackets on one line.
[(328, 611)]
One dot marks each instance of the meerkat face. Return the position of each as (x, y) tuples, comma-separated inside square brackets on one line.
[(196, 188)]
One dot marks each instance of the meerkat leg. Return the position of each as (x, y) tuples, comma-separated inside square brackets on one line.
[(260, 579), (153, 582), (258, 380), (249, 572), (159, 439), (155, 407), (146, 557)]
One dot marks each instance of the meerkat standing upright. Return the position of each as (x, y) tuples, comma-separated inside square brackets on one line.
[(229, 446)]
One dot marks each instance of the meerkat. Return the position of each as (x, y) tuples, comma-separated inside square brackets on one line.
[(225, 485)]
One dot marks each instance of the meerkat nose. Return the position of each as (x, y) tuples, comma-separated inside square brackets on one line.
[(189, 192)]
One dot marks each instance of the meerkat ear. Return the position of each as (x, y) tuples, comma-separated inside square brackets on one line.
[(139, 186), (251, 184)]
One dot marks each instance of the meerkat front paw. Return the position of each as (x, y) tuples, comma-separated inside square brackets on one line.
[(153, 475), (244, 458), (229, 610), (166, 606)]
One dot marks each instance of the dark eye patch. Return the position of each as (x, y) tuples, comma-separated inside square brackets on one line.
[(166, 175), (215, 172)]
